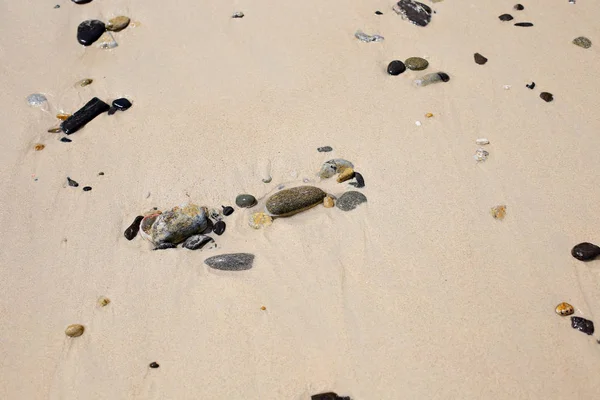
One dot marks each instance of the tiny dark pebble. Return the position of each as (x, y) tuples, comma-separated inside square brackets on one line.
[(121, 104), (65, 140), (479, 59), (531, 85), (227, 210), (583, 325), (360, 182), (444, 76), (154, 365), (87, 188), (325, 149), (396, 67), (219, 228), (547, 97), (71, 182), (133, 229), (523, 24), (164, 246), (585, 251), (505, 17), (328, 396), (101, 173), (378, 13), (57, 6), (519, 7)]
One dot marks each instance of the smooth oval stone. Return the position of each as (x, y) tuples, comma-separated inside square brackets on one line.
[(523, 24), (89, 31), (585, 251), (519, 7), (87, 188), (324, 149), (154, 365), (133, 229), (505, 17), (81, 1), (74, 330), (479, 59), (231, 262), (291, 201), (36, 99), (227, 210), (178, 224), (547, 97), (196, 242), (416, 63), (583, 325), (396, 67), (117, 24), (417, 13), (582, 41), (328, 396), (219, 228), (245, 200), (350, 200)]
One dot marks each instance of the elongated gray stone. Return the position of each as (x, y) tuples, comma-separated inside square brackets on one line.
[(291, 201), (231, 262)]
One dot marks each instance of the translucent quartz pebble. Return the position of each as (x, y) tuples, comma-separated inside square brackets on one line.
[(36, 99)]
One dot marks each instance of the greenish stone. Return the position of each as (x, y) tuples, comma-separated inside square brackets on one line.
[(291, 201), (582, 41), (245, 201), (416, 63)]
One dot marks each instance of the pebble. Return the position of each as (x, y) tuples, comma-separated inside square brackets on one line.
[(498, 212), (84, 82), (71, 182), (564, 309), (585, 251), (360, 35), (87, 188), (133, 229), (416, 63), (582, 41), (237, 14), (231, 262), (332, 167), (196, 242), (505, 17), (429, 115), (54, 130), (531, 85), (417, 13), (65, 140), (227, 210), (482, 142), (121, 104), (432, 78), (57, 6), (519, 7), (39, 147), (103, 301), (291, 201), (107, 41), (324, 149), (154, 365), (89, 31), (85, 114), (350, 200), (81, 1), (74, 330), (245, 200), (179, 223), (481, 155), (345, 175), (396, 67), (479, 59), (378, 13), (63, 116), (219, 228), (328, 396), (523, 24), (360, 181), (117, 24), (328, 202), (165, 246), (584, 325), (547, 97), (36, 99), (101, 173), (259, 220)]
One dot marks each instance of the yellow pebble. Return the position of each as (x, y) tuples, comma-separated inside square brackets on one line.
[(39, 147), (347, 173), (74, 330), (499, 212), (62, 116), (258, 220), (103, 301), (429, 115), (328, 202), (564, 309), (263, 308)]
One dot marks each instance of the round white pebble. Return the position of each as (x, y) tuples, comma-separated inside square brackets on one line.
[(36, 99)]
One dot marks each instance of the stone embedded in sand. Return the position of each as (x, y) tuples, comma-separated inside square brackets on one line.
[(547, 97), (481, 155), (346, 174), (582, 41), (259, 220), (72, 182), (237, 14), (89, 31), (363, 37), (39, 147), (231, 262), (396, 67), (81, 1), (350, 200), (564, 309), (245, 200), (328, 396), (479, 59), (74, 330), (133, 229), (505, 17), (482, 141), (519, 7), (416, 63), (178, 224), (417, 13), (335, 166), (84, 82), (328, 202), (435, 77), (117, 24), (196, 242), (103, 301), (291, 201), (524, 24), (107, 41), (324, 149), (585, 251), (498, 212), (581, 324)]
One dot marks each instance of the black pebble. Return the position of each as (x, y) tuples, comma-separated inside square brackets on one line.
[(89, 31), (164, 246), (324, 149), (219, 228), (531, 85), (71, 182), (585, 251), (209, 227), (479, 59), (583, 325), (360, 182), (81, 1), (101, 173), (154, 365), (328, 396), (121, 104), (65, 140), (519, 7), (505, 17), (227, 210), (378, 13), (85, 114), (396, 67), (87, 188), (134, 228), (547, 97), (57, 6), (444, 76), (523, 24)]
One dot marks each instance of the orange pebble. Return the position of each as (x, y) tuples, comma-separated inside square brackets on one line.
[(263, 308), (39, 147), (62, 116)]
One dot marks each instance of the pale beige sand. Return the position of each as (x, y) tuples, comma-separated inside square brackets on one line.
[(419, 294)]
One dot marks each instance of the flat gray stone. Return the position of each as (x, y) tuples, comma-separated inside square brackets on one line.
[(350, 200), (231, 262), (291, 201), (582, 41)]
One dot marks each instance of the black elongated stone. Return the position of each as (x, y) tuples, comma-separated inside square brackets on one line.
[(505, 17), (164, 246), (519, 7), (523, 24), (328, 396), (85, 114), (154, 365), (87, 188), (81, 1), (65, 140), (133, 229), (71, 182), (378, 13), (360, 181), (227, 210), (396, 67), (219, 228), (89, 31), (585, 251), (583, 325)]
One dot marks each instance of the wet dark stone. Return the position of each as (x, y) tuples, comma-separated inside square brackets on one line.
[(479, 59), (154, 365), (231, 262), (85, 114), (81, 1), (57, 6), (65, 140), (227, 210), (245, 200), (360, 182), (444, 76), (547, 97), (378, 13), (325, 149), (121, 104), (196, 242), (87, 188), (417, 13), (101, 173), (133, 229), (531, 85), (519, 7), (583, 325), (165, 245), (209, 227), (219, 228), (89, 31), (71, 182), (523, 24), (505, 17), (396, 67), (328, 396), (585, 251)]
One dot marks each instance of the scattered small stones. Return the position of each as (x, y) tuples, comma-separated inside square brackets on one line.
[(71, 182), (324, 149), (117, 24), (259, 220), (245, 201), (328, 202), (89, 31), (350, 200), (65, 140), (288, 202), (531, 85), (547, 97), (84, 82), (39, 147), (523, 24), (103, 301), (87, 188), (498, 212), (74, 330), (360, 181), (231, 262), (165, 246), (227, 210), (479, 59), (396, 67), (416, 63), (121, 104), (219, 228), (481, 155), (482, 142), (581, 324), (196, 242), (432, 78), (237, 14), (519, 7), (417, 13), (582, 41), (36, 99), (345, 175), (334, 166), (328, 396), (107, 41), (133, 229), (88, 112), (505, 17), (378, 13), (585, 251), (564, 309), (360, 35), (154, 365), (178, 224)]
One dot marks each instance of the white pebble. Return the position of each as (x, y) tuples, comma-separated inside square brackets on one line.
[(507, 87), (482, 142), (418, 123), (36, 99)]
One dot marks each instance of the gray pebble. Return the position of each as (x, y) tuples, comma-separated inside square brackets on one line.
[(245, 201), (196, 242), (231, 262), (582, 41), (325, 149), (36, 99), (291, 201), (350, 200), (416, 63)]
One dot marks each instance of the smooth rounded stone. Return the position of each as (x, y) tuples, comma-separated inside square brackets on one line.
[(435, 77), (103, 301), (547, 97), (65, 140), (196, 242), (482, 141), (345, 175), (237, 14), (81, 1), (36, 99), (133, 229), (154, 365), (328, 202), (121, 104), (564, 309), (585, 251), (582, 41), (39, 147), (396, 67), (74, 330), (259, 220), (583, 325), (245, 201), (176, 225), (72, 183), (117, 24), (87, 188), (227, 210), (231, 262), (479, 59), (416, 63), (360, 181), (291, 201), (107, 41), (519, 7), (417, 13), (505, 17), (328, 396), (524, 24), (325, 149), (350, 200), (219, 228), (89, 31), (378, 13), (165, 246), (332, 167)]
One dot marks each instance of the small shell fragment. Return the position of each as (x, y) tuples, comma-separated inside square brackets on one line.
[(103, 301), (39, 147), (84, 82), (498, 212), (345, 174), (482, 142), (328, 202), (564, 309), (74, 330)]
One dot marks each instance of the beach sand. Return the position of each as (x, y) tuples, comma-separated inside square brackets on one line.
[(417, 294)]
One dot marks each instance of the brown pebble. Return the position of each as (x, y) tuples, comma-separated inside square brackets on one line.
[(479, 59), (74, 330), (39, 147), (103, 301), (263, 308), (328, 202), (54, 130), (428, 115), (499, 212), (564, 309), (84, 82), (547, 97)]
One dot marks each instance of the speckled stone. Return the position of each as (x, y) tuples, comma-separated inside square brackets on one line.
[(582, 41), (231, 262), (291, 201), (176, 225), (416, 63), (350, 200), (196, 242), (245, 201), (583, 325)]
